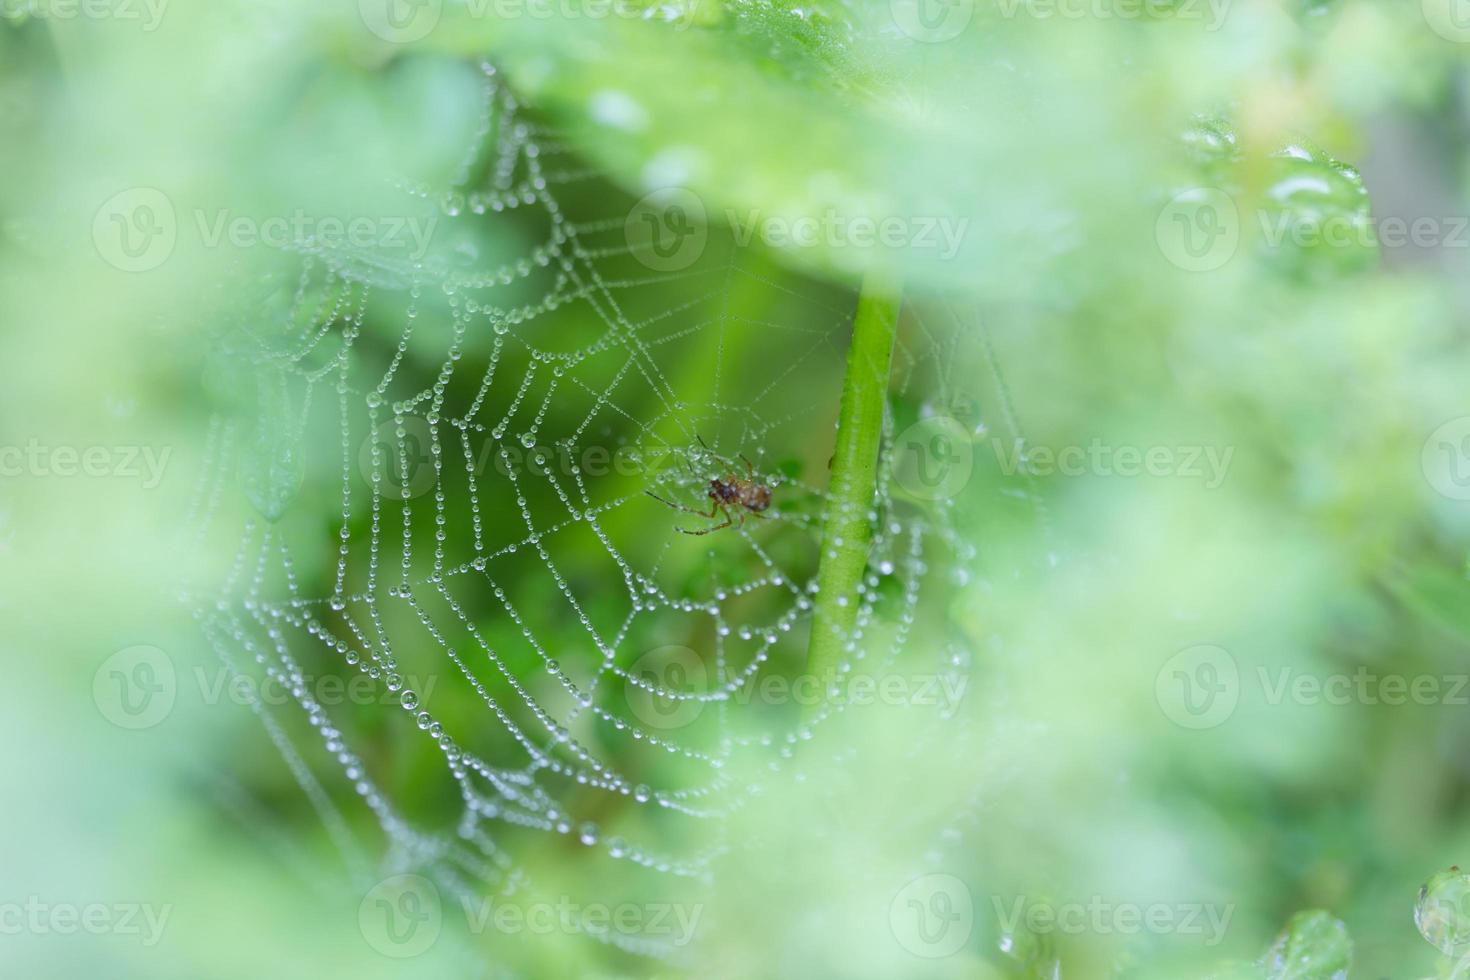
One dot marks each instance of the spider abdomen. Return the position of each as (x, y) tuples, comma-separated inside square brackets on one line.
[(726, 492)]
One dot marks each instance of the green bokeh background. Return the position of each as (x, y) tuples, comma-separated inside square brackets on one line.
[(1333, 542)]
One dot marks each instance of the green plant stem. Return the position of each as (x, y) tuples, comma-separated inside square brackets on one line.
[(847, 533)]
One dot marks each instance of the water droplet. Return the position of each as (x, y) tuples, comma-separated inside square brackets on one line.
[(1443, 911)]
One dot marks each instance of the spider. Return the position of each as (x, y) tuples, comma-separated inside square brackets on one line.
[(746, 494)]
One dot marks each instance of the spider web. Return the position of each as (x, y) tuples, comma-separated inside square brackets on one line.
[(503, 613)]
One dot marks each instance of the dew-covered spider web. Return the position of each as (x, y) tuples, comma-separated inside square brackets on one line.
[(432, 473)]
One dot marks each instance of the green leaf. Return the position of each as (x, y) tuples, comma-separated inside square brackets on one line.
[(1434, 592), (806, 127), (847, 533)]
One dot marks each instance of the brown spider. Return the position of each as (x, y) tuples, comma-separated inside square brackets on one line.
[(745, 494)]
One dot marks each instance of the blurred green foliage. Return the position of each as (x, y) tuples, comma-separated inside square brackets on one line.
[(1325, 369)]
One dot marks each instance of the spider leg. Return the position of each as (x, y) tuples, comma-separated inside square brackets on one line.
[(726, 460), (718, 527), (688, 510), (707, 449)]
